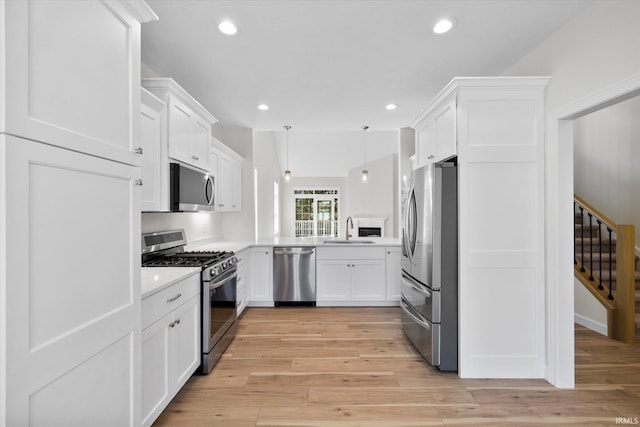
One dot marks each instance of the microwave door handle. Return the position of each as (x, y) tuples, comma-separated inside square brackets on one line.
[(206, 190)]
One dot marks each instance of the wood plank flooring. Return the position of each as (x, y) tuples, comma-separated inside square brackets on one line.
[(354, 367)]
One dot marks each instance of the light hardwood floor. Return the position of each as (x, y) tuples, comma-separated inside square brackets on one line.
[(354, 367)]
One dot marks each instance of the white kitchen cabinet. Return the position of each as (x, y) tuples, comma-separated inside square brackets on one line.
[(69, 132), (499, 134), (188, 123), (153, 142), (70, 324), (244, 279), (70, 73), (436, 133), (393, 271), (261, 289), (171, 344), (351, 276), (228, 171)]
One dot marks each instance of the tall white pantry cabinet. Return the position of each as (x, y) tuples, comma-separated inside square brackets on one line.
[(495, 125), (70, 310)]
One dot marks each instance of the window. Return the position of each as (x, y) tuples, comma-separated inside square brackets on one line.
[(316, 211)]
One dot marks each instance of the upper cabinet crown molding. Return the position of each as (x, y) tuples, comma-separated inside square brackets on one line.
[(141, 10), (216, 144), (458, 83), (164, 85)]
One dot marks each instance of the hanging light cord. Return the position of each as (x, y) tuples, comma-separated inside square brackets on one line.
[(364, 143)]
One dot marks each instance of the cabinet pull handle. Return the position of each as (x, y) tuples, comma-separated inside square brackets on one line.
[(174, 298), (220, 205), (430, 156), (177, 322), (195, 157), (138, 150), (138, 182), (172, 324)]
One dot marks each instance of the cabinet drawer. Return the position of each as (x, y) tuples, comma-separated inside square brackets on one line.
[(160, 304), (360, 252)]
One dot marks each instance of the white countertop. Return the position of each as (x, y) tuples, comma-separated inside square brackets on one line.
[(155, 279), (238, 246)]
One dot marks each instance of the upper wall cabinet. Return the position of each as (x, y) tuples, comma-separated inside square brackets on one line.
[(153, 144), (88, 105), (188, 123), (436, 132), (226, 167)]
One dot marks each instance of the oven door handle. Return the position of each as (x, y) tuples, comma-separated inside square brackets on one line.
[(222, 281)]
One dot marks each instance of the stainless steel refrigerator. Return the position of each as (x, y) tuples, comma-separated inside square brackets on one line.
[(429, 304)]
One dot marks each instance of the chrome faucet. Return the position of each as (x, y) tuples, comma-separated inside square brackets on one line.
[(347, 228)]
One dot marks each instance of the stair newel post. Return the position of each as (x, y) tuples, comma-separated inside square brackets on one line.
[(625, 283), (610, 270), (582, 238), (575, 258), (600, 251), (591, 247)]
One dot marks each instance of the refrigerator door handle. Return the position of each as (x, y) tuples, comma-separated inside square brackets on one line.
[(413, 223)]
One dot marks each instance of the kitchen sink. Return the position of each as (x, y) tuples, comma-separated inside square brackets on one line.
[(348, 241)]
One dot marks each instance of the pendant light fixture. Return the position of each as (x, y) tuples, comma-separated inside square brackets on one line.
[(365, 172), (287, 172)]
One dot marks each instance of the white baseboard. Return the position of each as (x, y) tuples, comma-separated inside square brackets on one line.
[(591, 324)]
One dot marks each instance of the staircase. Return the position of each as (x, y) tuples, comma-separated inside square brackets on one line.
[(597, 259)]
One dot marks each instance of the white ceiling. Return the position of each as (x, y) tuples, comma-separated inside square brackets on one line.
[(334, 65)]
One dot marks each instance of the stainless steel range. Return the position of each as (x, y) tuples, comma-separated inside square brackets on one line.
[(219, 271)]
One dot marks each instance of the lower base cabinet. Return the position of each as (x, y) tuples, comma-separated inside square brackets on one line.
[(351, 276), (171, 350)]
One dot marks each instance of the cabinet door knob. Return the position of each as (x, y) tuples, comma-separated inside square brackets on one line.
[(138, 182), (138, 150)]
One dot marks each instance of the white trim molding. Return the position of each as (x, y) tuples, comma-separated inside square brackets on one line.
[(559, 232)]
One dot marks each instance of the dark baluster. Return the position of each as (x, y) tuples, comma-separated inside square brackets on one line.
[(600, 251), (590, 248), (610, 271), (575, 258), (582, 238)]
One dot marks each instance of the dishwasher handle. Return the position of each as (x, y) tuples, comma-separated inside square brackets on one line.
[(292, 251)]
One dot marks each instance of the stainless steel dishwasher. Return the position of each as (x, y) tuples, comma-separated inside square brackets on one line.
[(294, 276)]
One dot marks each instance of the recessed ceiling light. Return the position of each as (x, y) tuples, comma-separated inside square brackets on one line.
[(263, 107), (228, 28), (391, 106), (443, 26)]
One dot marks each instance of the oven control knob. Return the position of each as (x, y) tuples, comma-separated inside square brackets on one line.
[(224, 265), (214, 271)]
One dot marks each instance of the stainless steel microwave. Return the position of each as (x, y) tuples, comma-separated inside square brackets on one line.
[(190, 190)]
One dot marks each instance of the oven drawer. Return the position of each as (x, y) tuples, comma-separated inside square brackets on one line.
[(158, 305), (424, 300), (424, 335)]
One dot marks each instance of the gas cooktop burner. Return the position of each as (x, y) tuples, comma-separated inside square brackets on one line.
[(189, 259), (166, 249)]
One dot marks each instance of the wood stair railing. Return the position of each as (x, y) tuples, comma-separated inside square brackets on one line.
[(596, 252)]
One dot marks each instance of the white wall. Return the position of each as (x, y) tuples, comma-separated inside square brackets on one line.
[(197, 225), (331, 154), (378, 197), (595, 50), (606, 154), (288, 208), (266, 163), (588, 311)]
